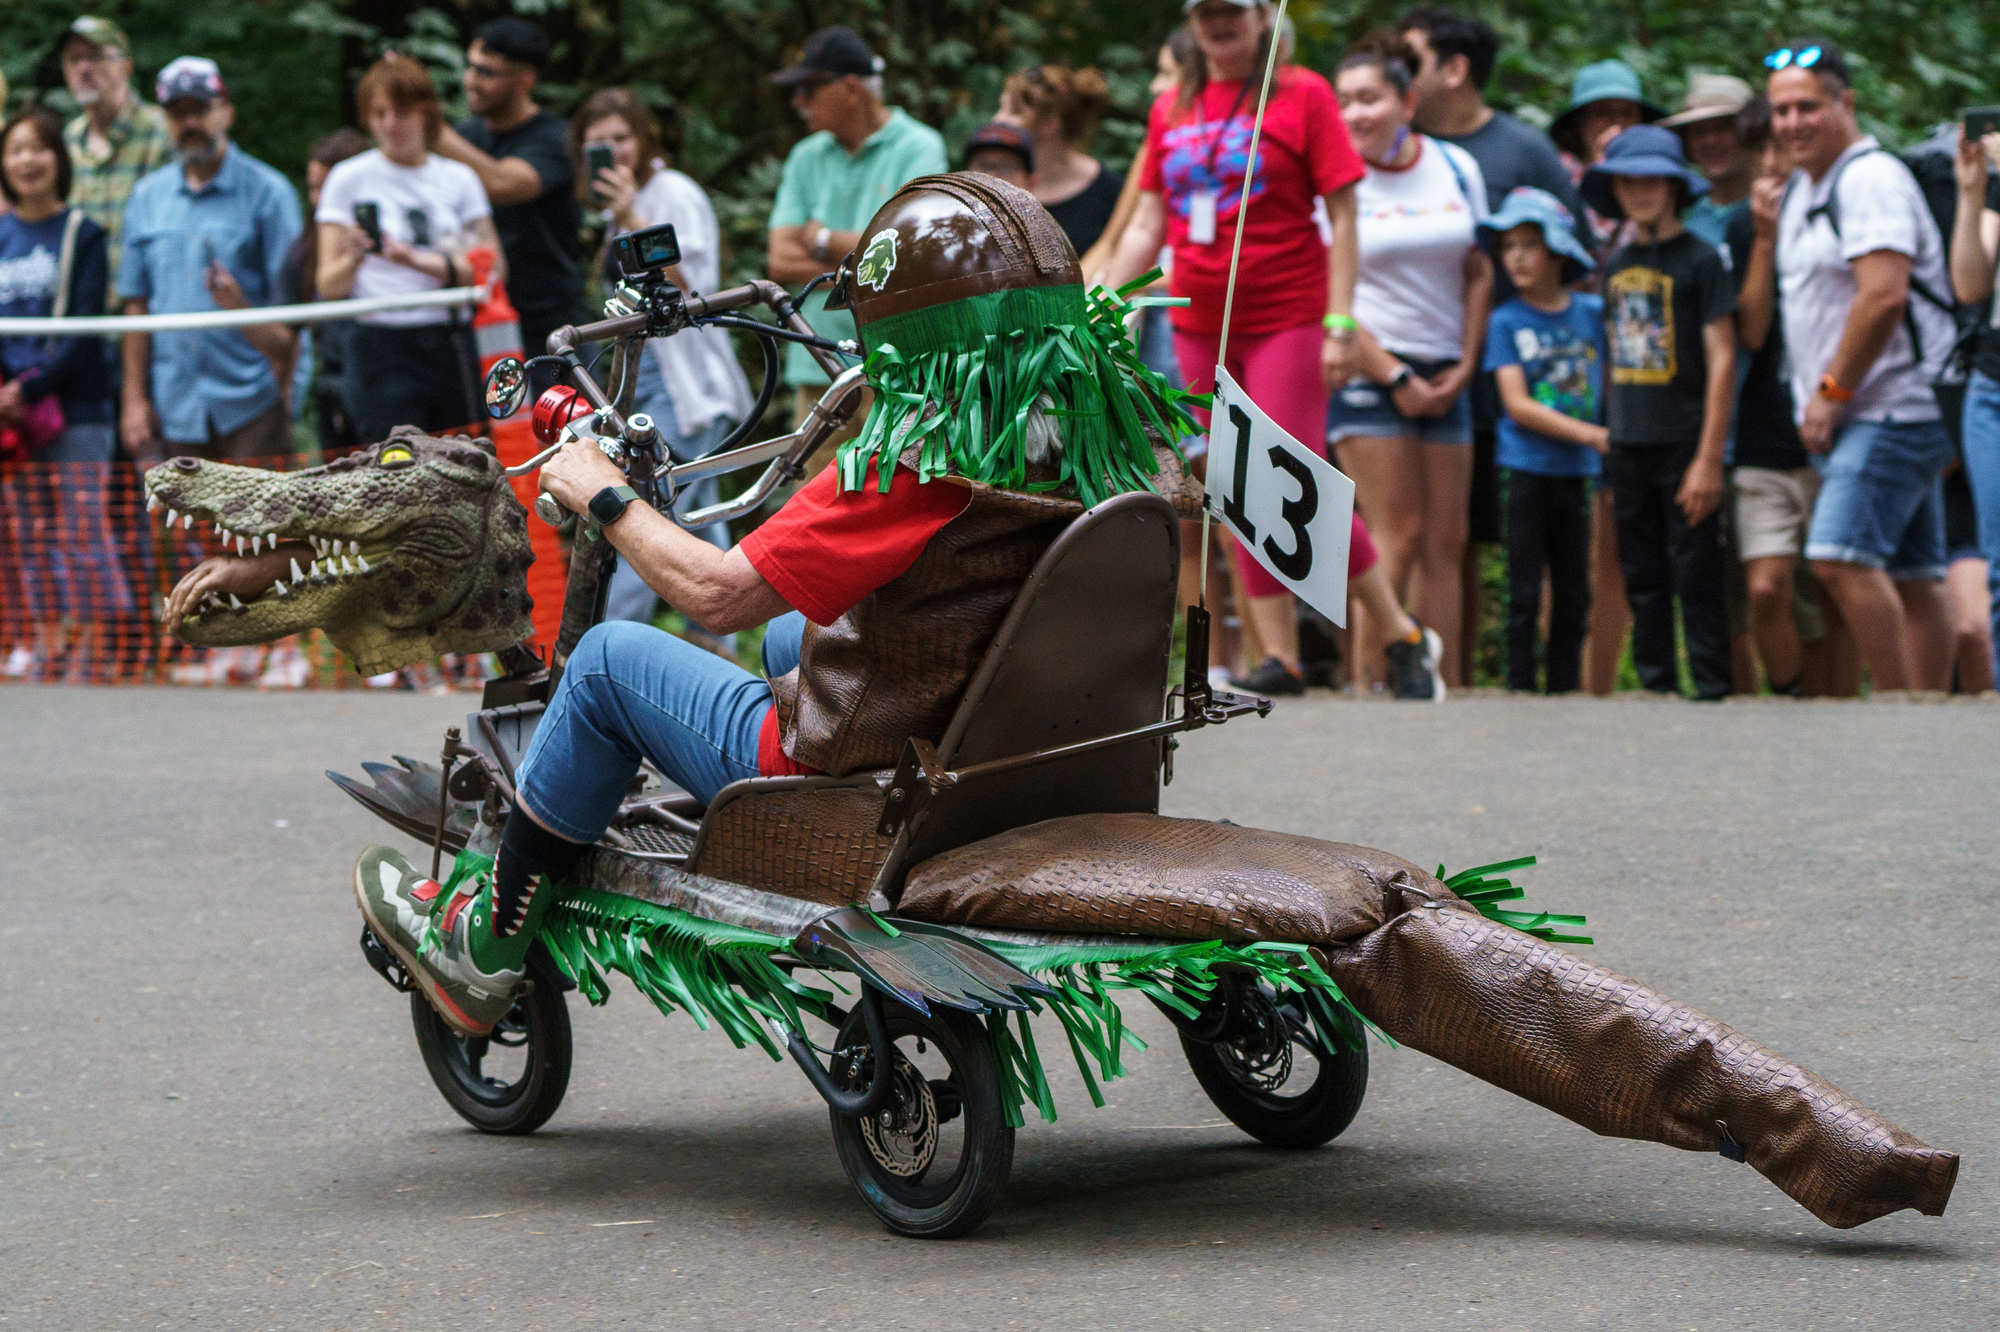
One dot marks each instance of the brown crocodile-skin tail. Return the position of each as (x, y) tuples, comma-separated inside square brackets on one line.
[(1623, 1061)]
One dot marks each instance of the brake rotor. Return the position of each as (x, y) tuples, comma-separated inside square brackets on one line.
[(1261, 1057), (903, 1135)]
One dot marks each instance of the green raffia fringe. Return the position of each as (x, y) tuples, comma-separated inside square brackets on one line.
[(723, 976), (957, 383), (1482, 887)]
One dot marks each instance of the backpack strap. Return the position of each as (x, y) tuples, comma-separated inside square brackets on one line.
[(1830, 210), (66, 263), (1457, 172)]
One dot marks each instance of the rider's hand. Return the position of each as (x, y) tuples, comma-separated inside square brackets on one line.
[(222, 575), (578, 472)]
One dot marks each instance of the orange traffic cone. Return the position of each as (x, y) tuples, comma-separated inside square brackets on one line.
[(497, 331)]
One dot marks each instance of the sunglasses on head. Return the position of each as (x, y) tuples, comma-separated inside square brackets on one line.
[(1787, 58)]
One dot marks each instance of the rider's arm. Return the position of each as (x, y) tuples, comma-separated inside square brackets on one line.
[(720, 590)]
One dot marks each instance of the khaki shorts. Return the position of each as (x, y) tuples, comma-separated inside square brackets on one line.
[(1773, 509)]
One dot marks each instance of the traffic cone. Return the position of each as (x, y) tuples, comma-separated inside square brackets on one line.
[(496, 329)]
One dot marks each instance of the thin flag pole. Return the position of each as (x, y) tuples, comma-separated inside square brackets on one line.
[(1236, 254)]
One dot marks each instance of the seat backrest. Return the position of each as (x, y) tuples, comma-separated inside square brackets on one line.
[(1082, 653)]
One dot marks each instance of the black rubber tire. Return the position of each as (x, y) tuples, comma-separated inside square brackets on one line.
[(489, 1106), (1315, 1115), (957, 1205)]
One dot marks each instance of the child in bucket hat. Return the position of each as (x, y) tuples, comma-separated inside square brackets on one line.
[(1642, 151), (1545, 349)]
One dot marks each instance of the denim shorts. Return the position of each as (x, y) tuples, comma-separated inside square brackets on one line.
[(1881, 503), (1365, 408)]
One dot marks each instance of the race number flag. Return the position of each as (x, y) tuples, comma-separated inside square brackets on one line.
[(1290, 507)]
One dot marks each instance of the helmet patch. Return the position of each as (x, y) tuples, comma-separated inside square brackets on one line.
[(878, 261)]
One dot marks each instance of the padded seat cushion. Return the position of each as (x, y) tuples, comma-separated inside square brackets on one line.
[(1166, 879)]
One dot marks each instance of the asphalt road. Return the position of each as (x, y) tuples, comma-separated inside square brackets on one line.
[(214, 1115)]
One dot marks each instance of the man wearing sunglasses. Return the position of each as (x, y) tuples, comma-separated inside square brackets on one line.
[(1862, 286)]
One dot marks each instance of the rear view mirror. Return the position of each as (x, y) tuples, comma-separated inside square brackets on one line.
[(506, 387)]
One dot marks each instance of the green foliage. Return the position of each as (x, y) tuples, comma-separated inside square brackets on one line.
[(292, 64)]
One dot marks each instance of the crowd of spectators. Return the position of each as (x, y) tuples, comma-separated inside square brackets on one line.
[(1697, 374)]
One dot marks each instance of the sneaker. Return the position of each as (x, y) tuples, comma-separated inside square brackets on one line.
[(1270, 679), (1413, 668), (18, 662), (430, 936)]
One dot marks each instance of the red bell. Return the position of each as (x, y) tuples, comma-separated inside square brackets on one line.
[(555, 409)]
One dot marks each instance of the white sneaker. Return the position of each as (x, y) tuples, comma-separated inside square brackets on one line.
[(18, 662), (386, 680)]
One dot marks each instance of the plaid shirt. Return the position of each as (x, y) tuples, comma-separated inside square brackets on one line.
[(99, 185)]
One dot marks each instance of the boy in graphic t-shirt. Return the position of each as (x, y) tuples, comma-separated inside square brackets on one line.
[(1545, 350), (1668, 303)]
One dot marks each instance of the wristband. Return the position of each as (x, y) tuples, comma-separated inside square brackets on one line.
[(1830, 389), (1341, 327)]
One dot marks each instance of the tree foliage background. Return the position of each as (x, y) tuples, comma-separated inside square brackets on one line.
[(292, 64)]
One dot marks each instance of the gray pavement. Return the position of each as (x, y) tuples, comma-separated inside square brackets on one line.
[(211, 1114)]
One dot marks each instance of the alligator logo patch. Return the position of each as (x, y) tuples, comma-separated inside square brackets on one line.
[(878, 261)]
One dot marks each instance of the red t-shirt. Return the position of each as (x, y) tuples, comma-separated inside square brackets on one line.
[(826, 550), (1304, 153)]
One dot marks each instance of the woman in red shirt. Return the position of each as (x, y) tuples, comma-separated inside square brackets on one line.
[(1294, 310)]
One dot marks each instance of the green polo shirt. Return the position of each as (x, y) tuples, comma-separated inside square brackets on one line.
[(824, 183), (100, 184)]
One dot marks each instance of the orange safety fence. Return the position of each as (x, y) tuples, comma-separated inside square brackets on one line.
[(85, 572)]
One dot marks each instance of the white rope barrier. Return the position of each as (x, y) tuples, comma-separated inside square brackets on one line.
[(316, 313)]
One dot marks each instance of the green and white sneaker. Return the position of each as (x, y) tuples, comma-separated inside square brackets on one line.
[(430, 932)]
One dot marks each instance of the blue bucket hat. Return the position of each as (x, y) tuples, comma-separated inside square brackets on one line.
[(1604, 81), (1526, 204), (1643, 150)]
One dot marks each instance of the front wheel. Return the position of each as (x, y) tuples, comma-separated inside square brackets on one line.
[(509, 1082), (932, 1163), (1274, 1076)]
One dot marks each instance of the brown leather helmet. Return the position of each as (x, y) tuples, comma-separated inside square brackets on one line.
[(942, 240)]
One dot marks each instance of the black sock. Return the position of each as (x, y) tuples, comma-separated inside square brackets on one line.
[(528, 851), (1791, 689)]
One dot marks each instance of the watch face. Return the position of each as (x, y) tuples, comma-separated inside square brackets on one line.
[(607, 506)]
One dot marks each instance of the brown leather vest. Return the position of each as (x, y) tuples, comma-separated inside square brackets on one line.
[(898, 664)]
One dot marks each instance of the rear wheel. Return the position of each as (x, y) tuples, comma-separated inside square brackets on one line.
[(933, 1162), (1273, 1075), (509, 1082)]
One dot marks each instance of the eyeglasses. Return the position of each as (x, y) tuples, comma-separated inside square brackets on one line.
[(1787, 58)]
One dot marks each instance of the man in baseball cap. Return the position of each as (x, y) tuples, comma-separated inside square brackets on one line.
[(208, 230), (1002, 150), (116, 138), (858, 153)]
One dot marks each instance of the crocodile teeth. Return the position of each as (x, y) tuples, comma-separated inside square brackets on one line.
[(187, 522), (354, 548), (152, 502), (315, 574), (283, 591), (363, 563), (236, 605), (297, 577), (347, 565), (222, 534), (241, 544), (257, 541), (173, 515)]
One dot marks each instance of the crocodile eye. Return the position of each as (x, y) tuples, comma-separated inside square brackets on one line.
[(396, 455)]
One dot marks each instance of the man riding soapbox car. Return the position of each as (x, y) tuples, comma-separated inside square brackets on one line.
[(1012, 864)]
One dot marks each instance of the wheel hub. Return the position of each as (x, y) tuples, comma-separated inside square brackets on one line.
[(1260, 1055), (903, 1135)]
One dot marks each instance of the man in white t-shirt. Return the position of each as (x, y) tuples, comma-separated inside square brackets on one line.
[(1862, 279)]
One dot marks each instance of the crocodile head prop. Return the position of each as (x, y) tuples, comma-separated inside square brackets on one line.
[(420, 549)]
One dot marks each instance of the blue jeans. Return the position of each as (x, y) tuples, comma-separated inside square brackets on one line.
[(630, 598), (632, 691), (1881, 503), (1982, 469)]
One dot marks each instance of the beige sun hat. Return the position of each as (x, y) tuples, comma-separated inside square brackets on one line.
[(1710, 97)]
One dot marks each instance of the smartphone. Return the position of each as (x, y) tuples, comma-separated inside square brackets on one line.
[(420, 227), (1981, 121), (597, 157), (368, 217)]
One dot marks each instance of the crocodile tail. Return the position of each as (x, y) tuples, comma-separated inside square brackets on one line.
[(1626, 1062)]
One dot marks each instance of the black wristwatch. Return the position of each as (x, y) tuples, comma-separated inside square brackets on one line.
[(607, 506)]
